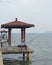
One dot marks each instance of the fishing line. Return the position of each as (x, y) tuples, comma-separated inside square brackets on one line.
[(31, 40)]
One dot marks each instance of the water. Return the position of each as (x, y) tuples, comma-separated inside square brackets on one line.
[(41, 45)]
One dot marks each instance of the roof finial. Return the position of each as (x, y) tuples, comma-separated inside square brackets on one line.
[(15, 19)]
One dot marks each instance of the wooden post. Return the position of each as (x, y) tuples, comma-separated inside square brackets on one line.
[(1, 45), (6, 34), (1, 34), (23, 34), (27, 56), (23, 56), (23, 38), (1, 60), (9, 36)]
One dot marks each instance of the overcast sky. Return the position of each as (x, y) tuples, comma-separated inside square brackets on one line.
[(37, 12)]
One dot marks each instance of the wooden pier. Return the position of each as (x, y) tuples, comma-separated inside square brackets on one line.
[(17, 50)]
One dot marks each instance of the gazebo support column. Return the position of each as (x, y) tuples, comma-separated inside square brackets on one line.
[(23, 39), (1, 34), (9, 36), (23, 34)]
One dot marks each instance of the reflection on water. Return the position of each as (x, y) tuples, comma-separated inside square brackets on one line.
[(17, 63)]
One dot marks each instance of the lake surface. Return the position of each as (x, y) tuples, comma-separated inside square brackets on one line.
[(41, 44)]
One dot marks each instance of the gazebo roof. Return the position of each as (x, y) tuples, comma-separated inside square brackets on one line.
[(16, 24), (3, 31)]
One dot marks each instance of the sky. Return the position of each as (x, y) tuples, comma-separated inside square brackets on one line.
[(37, 12)]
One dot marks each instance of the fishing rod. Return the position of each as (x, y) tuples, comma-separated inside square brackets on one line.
[(30, 40), (27, 41)]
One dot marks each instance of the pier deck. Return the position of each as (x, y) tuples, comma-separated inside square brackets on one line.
[(15, 50), (18, 50)]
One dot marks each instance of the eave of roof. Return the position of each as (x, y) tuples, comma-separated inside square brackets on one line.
[(3, 31), (17, 24)]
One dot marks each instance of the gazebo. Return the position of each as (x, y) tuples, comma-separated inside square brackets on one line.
[(3, 37), (16, 24), (3, 33), (15, 49)]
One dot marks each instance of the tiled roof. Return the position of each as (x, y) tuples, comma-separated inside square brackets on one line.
[(16, 24), (3, 31)]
